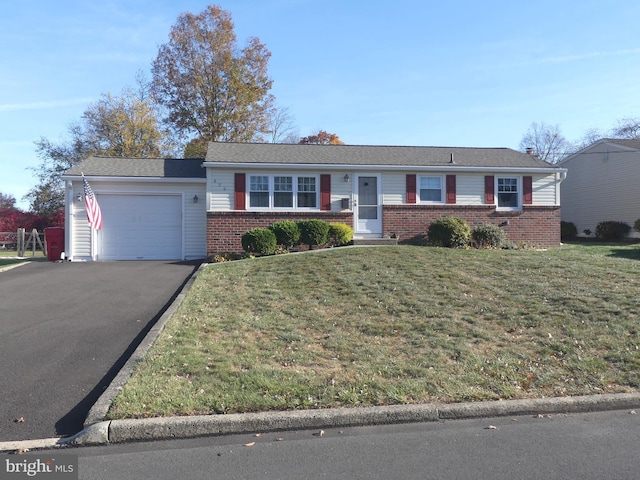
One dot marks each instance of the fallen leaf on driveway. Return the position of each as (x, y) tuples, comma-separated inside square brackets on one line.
[(491, 427), (632, 412), (250, 444), (19, 420)]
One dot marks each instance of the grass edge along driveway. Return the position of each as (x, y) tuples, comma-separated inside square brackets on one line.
[(395, 325)]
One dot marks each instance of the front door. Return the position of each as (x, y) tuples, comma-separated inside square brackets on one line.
[(368, 210)]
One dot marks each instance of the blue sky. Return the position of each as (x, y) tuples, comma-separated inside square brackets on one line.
[(409, 72)]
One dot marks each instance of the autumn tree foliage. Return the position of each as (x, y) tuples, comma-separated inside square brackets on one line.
[(125, 125), (211, 89), (13, 218), (321, 138)]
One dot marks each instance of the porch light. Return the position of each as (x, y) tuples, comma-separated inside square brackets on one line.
[(195, 199), (346, 178), (79, 197)]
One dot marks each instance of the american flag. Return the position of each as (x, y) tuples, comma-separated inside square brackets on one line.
[(94, 215)]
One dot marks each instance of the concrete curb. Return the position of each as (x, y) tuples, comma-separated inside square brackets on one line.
[(12, 266), (99, 410), (171, 428)]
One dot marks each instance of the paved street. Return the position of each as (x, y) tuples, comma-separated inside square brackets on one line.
[(66, 329), (585, 446)]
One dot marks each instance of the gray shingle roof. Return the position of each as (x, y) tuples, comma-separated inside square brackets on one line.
[(361, 155), (139, 167), (629, 143)]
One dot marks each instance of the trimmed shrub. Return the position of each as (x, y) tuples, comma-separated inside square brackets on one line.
[(612, 231), (452, 232), (261, 241), (488, 235), (340, 233), (287, 232), (314, 232), (568, 231)]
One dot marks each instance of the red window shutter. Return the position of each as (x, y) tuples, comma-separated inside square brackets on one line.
[(240, 196), (411, 189), (489, 190), (527, 190), (451, 189), (325, 192)]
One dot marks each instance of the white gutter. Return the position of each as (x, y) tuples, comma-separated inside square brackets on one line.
[(344, 167)]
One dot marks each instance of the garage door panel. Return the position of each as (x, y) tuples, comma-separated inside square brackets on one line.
[(141, 227)]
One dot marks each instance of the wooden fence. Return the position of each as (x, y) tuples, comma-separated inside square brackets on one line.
[(21, 242)]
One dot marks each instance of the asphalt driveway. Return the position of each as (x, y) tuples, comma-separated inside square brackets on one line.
[(66, 329)]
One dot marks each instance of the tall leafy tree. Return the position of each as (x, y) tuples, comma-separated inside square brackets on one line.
[(547, 142), (211, 89), (124, 126)]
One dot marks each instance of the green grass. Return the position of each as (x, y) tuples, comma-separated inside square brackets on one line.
[(393, 325), (8, 257)]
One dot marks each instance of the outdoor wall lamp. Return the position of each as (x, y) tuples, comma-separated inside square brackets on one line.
[(195, 199), (346, 178), (79, 197)]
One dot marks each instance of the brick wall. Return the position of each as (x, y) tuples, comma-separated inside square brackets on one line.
[(534, 225), (225, 229)]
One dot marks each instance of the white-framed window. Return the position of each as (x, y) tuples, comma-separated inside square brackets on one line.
[(259, 191), (283, 192), (508, 193), (430, 189)]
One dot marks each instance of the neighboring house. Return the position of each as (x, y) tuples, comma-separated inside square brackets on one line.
[(382, 191), (602, 184)]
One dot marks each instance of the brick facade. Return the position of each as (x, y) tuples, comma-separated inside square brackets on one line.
[(225, 229), (533, 226)]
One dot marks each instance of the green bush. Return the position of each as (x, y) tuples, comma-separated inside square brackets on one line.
[(612, 231), (568, 231), (636, 225), (314, 232), (488, 235), (340, 233), (287, 232), (261, 241), (449, 232)]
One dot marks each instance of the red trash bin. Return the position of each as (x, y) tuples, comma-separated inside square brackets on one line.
[(54, 239)]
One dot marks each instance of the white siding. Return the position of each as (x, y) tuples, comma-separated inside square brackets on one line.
[(469, 189), (546, 190), (220, 187), (340, 189), (601, 185), (394, 188)]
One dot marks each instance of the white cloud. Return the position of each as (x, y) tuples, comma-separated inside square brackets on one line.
[(44, 105)]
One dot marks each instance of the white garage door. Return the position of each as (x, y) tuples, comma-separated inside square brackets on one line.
[(140, 227)]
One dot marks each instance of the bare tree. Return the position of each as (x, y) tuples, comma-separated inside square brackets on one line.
[(547, 142), (627, 128), (281, 126)]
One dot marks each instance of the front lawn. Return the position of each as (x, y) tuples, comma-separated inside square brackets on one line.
[(392, 325)]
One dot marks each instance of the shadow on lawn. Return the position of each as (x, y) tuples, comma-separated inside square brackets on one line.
[(628, 253)]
